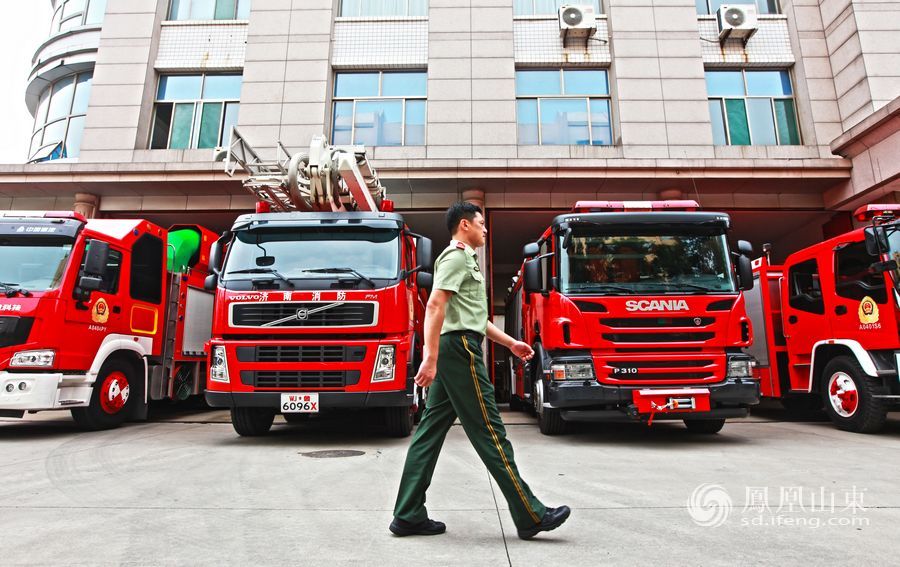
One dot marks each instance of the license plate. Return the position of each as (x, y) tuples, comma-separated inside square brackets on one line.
[(299, 403)]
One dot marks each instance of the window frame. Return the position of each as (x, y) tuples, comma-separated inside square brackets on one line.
[(598, 9), (42, 114), (879, 295), (335, 99), (139, 263), (563, 96), (196, 116), (710, 12), (772, 98), (237, 4), (819, 308), (57, 20)]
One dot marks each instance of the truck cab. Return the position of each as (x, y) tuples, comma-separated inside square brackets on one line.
[(317, 311), (635, 312), (89, 315)]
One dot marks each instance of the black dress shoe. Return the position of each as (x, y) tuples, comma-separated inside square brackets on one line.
[(427, 527), (553, 518)]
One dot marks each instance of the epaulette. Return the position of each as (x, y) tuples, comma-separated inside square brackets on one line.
[(460, 245)]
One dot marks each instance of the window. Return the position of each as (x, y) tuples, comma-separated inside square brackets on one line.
[(195, 111), (752, 108), (383, 8), (548, 7), (110, 282), (806, 290), (59, 118), (71, 14), (147, 269), (852, 277), (379, 109), (762, 6), (563, 107), (209, 10)]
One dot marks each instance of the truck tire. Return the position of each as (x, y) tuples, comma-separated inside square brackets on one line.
[(113, 397), (847, 394), (399, 421), (252, 422), (517, 404), (550, 422), (705, 426)]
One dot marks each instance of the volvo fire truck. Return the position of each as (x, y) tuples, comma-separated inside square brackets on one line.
[(827, 323), (635, 312), (100, 316), (319, 301)]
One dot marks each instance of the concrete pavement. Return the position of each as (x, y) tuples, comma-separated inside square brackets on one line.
[(184, 489)]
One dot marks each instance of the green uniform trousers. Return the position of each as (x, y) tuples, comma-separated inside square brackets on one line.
[(462, 389)]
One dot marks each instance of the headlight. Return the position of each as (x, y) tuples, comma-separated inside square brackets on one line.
[(572, 371), (218, 368), (384, 364), (740, 368), (33, 358)]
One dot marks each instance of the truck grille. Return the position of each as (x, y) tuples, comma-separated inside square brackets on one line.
[(299, 378), (669, 370), (15, 330), (306, 353), (303, 314), (647, 322), (657, 337)]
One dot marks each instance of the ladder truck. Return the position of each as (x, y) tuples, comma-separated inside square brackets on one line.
[(100, 316), (319, 293), (635, 311), (828, 324)]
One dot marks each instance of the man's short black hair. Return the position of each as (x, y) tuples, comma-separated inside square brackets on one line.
[(459, 211)]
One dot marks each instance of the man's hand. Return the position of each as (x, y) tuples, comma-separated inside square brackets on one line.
[(427, 373), (522, 350)]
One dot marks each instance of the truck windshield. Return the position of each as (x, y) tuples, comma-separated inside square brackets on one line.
[(33, 263), (645, 262), (314, 253)]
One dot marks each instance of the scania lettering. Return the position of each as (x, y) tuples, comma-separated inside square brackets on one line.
[(318, 296), (635, 312), (100, 316), (828, 324)]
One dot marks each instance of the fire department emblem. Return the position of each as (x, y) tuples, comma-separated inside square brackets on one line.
[(868, 311), (100, 311)]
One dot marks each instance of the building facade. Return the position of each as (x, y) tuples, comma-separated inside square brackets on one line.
[(486, 100)]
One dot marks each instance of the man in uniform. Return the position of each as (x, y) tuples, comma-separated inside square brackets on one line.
[(456, 321)]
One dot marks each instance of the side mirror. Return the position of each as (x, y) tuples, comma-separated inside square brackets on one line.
[(745, 272), (567, 239), (211, 281), (531, 250), (424, 256), (95, 259), (86, 286), (215, 252), (532, 276), (876, 241), (425, 280), (882, 267), (745, 248)]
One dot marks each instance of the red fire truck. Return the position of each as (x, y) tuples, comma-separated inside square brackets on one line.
[(100, 316), (827, 322), (318, 301), (635, 312)]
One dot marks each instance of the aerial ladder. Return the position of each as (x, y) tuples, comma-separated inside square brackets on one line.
[(324, 178)]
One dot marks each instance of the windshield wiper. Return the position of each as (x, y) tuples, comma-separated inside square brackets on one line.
[(13, 288), (358, 275), (272, 271), (612, 287), (683, 285)]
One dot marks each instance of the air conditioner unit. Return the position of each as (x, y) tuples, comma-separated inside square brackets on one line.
[(737, 21), (577, 21)]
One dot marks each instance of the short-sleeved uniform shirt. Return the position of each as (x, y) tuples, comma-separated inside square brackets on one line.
[(456, 270)]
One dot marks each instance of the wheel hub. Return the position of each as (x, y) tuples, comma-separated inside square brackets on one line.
[(843, 394), (114, 393)]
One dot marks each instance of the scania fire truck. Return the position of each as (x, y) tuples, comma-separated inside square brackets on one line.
[(318, 301), (635, 312), (827, 324), (100, 316)]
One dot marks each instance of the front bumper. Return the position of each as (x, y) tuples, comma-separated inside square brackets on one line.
[(592, 401), (327, 400), (43, 391)]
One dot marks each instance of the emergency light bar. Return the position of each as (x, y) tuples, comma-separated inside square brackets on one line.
[(628, 206), (868, 212), (43, 215)]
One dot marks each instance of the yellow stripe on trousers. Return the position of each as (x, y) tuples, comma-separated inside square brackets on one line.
[(487, 422)]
